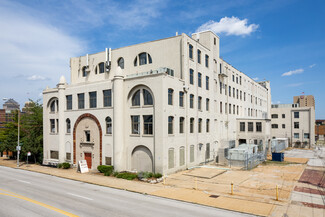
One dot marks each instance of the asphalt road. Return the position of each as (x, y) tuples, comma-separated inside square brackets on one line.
[(24, 193)]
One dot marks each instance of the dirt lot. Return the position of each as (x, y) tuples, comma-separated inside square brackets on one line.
[(258, 184)]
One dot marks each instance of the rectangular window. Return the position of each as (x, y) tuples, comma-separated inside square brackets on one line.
[(283, 126), (199, 101), (54, 154), (220, 87), (191, 101), (181, 99), (220, 107), (199, 79), (240, 80), (87, 135), (226, 89), (170, 96), (170, 125), (240, 95), (192, 153), (237, 93), (306, 135), (242, 126), (207, 104), (192, 125), (296, 125), (208, 125), (274, 126), (147, 124), (234, 109), (250, 127), (233, 78), (93, 99), (81, 101), (296, 135), (191, 76), (135, 124), (233, 92), (107, 94), (69, 102), (274, 116), (283, 116), (206, 61), (226, 108), (52, 126), (258, 126), (206, 82), (181, 124), (296, 114), (229, 91), (200, 125), (244, 96), (229, 108), (198, 56), (237, 110), (190, 50), (237, 80)]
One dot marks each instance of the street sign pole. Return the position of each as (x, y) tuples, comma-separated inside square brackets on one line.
[(18, 138)]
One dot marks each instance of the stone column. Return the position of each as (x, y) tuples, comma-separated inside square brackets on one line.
[(61, 132), (119, 155)]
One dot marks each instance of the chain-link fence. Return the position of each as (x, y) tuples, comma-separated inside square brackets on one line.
[(249, 160)]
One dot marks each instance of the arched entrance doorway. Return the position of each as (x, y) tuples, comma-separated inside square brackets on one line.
[(87, 141), (142, 159)]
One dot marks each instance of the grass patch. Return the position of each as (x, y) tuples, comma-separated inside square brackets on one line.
[(269, 162)]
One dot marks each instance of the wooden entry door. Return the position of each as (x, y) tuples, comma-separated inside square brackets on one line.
[(88, 159)]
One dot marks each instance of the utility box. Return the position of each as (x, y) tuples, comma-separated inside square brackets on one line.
[(277, 156)]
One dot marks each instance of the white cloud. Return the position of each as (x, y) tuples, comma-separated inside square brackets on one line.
[(36, 78), (313, 65), (293, 72), (229, 26), (31, 47), (255, 79)]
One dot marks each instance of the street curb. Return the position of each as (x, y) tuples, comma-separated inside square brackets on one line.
[(138, 192)]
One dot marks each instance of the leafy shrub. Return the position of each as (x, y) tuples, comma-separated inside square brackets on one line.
[(157, 175), (105, 169), (60, 165), (115, 173), (65, 165), (128, 176), (107, 173)]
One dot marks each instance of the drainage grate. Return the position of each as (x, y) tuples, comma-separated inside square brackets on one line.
[(214, 196)]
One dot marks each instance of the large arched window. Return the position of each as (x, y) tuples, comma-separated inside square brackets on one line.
[(147, 98), (108, 125), (144, 58), (120, 62), (53, 105), (136, 98), (68, 123)]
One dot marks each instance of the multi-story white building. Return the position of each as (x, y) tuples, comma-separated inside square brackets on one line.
[(295, 122), (159, 106)]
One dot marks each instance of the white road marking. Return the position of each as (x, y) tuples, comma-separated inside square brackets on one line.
[(87, 198), (22, 181)]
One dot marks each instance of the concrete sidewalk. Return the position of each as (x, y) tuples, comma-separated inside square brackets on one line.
[(187, 195)]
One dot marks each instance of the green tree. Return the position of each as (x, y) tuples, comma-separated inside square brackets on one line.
[(9, 135), (32, 127)]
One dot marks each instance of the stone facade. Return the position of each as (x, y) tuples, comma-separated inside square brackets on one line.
[(161, 106)]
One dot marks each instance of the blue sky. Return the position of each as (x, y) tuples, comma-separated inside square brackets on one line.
[(280, 41)]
